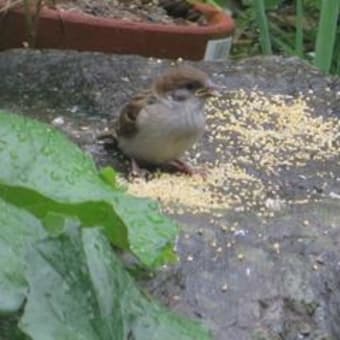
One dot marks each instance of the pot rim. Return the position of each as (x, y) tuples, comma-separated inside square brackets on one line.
[(218, 21)]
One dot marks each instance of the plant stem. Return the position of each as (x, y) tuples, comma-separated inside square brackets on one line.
[(262, 22), (337, 54), (32, 16), (36, 22), (28, 20), (299, 29), (283, 46), (325, 40)]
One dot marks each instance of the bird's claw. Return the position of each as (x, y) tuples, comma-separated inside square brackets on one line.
[(187, 169)]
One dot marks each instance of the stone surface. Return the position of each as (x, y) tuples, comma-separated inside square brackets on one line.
[(268, 271)]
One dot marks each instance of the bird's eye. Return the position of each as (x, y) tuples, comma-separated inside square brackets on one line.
[(191, 86)]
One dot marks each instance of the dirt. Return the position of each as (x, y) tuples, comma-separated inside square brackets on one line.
[(150, 11)]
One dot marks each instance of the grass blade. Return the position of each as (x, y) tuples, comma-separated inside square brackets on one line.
[(262, 22), (337, 54), (325, 40), (283, 46), (299, 29), (280, 40)]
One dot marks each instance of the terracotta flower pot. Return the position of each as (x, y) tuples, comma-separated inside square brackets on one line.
[(69, 30)]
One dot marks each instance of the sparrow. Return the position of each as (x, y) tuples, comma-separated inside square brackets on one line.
[(159, 124)]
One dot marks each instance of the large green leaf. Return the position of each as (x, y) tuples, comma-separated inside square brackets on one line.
[(18, 229), (44, 172), (80, 291)]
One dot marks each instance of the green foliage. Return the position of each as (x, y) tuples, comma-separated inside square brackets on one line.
[(325, 41), (299, 29), (263, 25), (42, 171), (268, 4), (79, 290), (216, 3), (271, 4), (17, 229), (306, 28), (63, 281)]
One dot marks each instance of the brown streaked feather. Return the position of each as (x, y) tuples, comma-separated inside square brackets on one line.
[(127, 122), (177, 77), (167, 82)]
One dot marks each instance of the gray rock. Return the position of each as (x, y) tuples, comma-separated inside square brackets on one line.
[(267, 278)]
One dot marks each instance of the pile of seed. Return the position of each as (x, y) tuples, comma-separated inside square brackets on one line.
[(248, 133), (275, 131)]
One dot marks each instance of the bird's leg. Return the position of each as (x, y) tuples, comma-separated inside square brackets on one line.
[(182, 167), (137, 171), (135, 168), (187, 169)]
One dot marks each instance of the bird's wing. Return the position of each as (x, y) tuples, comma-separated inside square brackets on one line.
[(127, 123)]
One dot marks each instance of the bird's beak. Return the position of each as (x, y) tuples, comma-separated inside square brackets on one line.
[(214, 92), (210, 90)]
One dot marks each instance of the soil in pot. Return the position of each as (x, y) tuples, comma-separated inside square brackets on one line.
[(179, 12)]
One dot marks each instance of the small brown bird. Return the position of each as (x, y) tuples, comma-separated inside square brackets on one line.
[(161, 123)]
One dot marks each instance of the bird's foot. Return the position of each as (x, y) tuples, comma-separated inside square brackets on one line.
[(188, 169), (137, 171)]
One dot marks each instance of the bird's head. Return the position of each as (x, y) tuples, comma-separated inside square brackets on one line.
[(183, 83)]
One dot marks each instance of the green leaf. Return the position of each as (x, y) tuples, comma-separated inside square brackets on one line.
[(109, 176), (268, 4), (42, 171), (18, 229), (271, 4), (325, 41), (299, 28), (79, 290), (262, 22)]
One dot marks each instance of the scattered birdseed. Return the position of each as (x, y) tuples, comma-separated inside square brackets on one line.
[(224, 228), (333, 194), (224, 288), (240, 257), (274, 204), (240, 232), (213, 244), (248, 133), (58, 121), (276, 247)]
